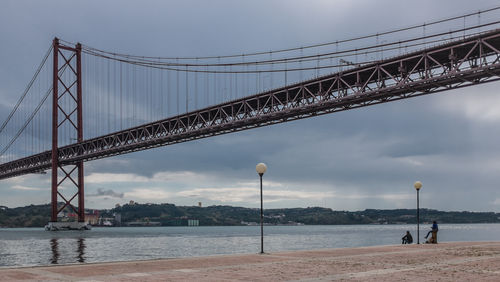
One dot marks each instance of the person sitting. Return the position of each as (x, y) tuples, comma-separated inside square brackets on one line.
[(407, 239), (434, 230)]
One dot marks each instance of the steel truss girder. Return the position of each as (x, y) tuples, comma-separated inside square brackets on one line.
[(462, 63)]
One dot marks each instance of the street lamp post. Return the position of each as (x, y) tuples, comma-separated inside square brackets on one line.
[(261, 169), (417, 186)]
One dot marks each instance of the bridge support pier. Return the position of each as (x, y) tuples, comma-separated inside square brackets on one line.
[(66, 104)]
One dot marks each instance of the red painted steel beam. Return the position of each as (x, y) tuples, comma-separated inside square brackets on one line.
[(55, 110), (73, 79), (453, 65), (79, 113)]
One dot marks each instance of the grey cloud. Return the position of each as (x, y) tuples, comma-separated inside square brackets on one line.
[(360, 150), (106, 193)]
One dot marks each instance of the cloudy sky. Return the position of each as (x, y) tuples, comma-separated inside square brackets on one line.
[(363, 158)]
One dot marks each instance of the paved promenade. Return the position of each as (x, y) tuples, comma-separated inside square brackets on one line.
[(464, 261)]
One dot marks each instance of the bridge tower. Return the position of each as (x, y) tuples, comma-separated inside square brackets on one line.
[(66, 118)]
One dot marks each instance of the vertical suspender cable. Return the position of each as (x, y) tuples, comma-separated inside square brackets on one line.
[(246, 77), (271, 78), (196, 89), (134, 93), (207, 86), (108, 94), (479, 21), (177, 87), (286, 79), (168, 93), (151, 104), (300, 63), (160, 73), (215, 90), (230, 83), (317, 67), (161, 93), (115, 105), (187, 91), (121, 97)]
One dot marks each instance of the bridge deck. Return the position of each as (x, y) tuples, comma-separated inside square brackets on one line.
[(452, 65), (465, 261)]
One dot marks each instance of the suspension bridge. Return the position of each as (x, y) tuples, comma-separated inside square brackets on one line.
[(84, 103)]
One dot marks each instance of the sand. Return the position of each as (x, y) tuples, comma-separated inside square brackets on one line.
[(458, 261)]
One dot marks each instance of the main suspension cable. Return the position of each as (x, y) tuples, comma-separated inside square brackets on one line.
[(322, 56), (325, 56), (303, 47), (30, 118), (28, 87), (26, 123)]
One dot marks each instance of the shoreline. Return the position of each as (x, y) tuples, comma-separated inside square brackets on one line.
[(425, 224), (450, 261)]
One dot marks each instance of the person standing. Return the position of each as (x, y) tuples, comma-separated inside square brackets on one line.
[(434, 230)]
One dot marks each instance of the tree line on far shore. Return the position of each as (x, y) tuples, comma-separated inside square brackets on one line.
[(169, 214)]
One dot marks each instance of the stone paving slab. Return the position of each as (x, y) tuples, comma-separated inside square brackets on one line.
[(458, 261)]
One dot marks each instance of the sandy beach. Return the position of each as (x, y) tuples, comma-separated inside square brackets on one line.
[(458, 261)]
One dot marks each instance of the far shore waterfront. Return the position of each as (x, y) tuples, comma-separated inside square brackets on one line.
[(456, 261)]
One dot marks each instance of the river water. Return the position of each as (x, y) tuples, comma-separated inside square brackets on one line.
[(35, 246)]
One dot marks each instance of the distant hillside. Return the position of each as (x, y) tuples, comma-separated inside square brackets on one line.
[(169, 214), (29, 216)]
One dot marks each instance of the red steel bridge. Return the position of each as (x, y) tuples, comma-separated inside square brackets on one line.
[(130, 103)]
